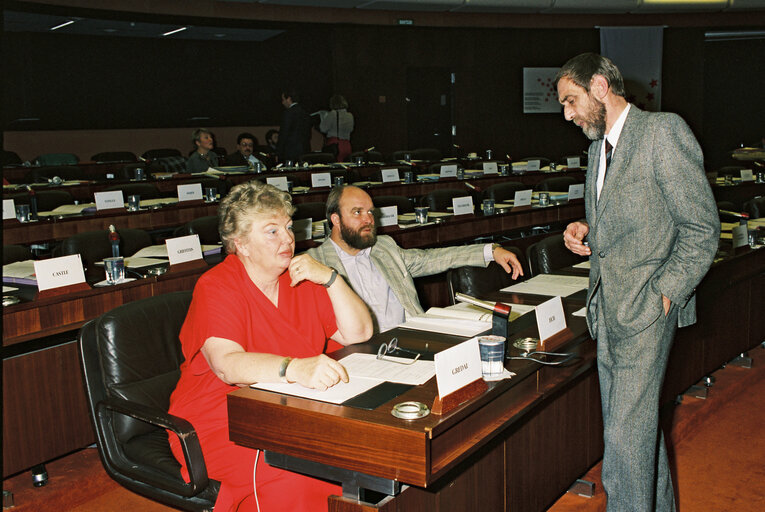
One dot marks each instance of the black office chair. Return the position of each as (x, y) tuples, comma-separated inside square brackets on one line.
[(504, 191), (47, 200), (439, 200), (12, 253), (221, 185), (730, 170), (318, 158), (93, 246), (314, 210), (543, 160), (45, 174), (755, 207), (550, 254), (153, 154), (130, 360), (563, 161), (10, 158), (48, 159), (403, 203), (479, 281), (400, 155), (426, 154), (205, 227), (221, 152), (556, 184), (145, 190), (114, 157), (367, 156)]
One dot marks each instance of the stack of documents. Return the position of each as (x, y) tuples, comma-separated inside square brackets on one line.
[(20, 272), (68, 209), (461, 319), (551, 285)]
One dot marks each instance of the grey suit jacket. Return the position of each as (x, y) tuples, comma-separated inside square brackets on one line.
[(399, 266), (655, 228)]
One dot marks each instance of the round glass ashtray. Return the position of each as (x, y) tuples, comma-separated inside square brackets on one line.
[(9, 300), (526, 344), (410, 410), (156, 271)]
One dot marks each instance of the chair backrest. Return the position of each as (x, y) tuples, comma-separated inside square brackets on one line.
[(755, 207), (317, 158), (47, 200), (13, 253), (730, 170), (108, 157), (205, 227), (57, 159), (368, 156), (145, 190), (10, 158), (176, 164), (94, 246), (543, 160), (222, 186), (221, 152), (550, 254), (426, 154), (314, 210), (403, 203), (479, 281), (503, 191), (439, 200), (556, 184), (161, 153), (44, 174)]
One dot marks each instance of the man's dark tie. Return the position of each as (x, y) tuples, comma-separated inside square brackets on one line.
[(609, 151)]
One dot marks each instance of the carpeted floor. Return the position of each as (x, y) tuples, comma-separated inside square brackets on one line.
[(717, 449)]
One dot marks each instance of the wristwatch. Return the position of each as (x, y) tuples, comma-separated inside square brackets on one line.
[(331, 278), (494, 246), (283, 368)]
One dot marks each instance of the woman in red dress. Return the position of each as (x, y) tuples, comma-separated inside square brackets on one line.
[(261, 315)]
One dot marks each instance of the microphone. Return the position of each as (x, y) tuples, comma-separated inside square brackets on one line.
[(494, 307)]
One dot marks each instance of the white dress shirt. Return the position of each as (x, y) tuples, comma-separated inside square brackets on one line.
[(613, 139)]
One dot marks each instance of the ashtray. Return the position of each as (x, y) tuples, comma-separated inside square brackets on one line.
[(9, 300), (410, 410), (156, 271)]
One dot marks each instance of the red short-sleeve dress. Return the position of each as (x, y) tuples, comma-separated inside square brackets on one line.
[(227, 304)]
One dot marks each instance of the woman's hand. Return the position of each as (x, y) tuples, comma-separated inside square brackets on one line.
[(318, 372), (305, 268)]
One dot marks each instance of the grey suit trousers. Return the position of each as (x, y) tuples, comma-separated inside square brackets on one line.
[(631, 370)]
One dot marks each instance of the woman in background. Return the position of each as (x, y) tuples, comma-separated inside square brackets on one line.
[(337, 125)]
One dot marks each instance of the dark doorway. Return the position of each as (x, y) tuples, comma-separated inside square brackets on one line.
[(429, 108)]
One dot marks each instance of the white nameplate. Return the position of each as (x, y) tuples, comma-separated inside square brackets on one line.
[(389, 175), (321, 179), (457, 366), (58, 272), (463, 205), (532, 165), (490, 168), (740, 235), (574, 162), (303, 229), (550, 318), (183, 249), (109, 200), (448, 171), (9, 209), (279, 182), (190, 192), (747, 175), (576, 191), (522, 198), (388, 215)]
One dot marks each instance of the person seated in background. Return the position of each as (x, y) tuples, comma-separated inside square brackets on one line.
[(337, 125), (203, 157), (245, 145), (379, 270), (272, 139), (262, 315)]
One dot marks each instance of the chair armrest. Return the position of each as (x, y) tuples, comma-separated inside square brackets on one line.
[(192, 451)]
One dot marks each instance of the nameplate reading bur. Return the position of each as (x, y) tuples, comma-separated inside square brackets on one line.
[(390, 175), (59, 272), (111, 200), (9, 209), (183, 249), (190, 192), (279, 182)]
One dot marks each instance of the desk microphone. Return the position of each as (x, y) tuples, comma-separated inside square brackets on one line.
[(494, 307)]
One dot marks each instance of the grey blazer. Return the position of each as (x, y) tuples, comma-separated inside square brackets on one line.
[(399, 266), (655, 228)]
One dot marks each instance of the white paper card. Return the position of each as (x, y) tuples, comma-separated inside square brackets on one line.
[(532, 165), (190, 192), (58, 272), (321, 179), (183, 249), (747, 175), (388, 215), (576, 191), (109, 200), (390, 175), (740, 236), (457, 366), (279, 182), (522, 198), (490, 168), (463, 205), (9, 209), (303, 229), (448, 171), (550, 318), (574, 162)]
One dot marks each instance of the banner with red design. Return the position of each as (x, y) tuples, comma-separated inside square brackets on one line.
[(539, 92), (637, 52)]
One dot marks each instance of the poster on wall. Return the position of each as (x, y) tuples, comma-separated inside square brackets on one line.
[(539, 92)]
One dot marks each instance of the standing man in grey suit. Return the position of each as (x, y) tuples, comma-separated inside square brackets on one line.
[(295, 130), (380, 271), (651, 234)]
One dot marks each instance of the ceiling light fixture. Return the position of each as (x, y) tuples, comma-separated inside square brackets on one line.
[(175, 31), (62, 25)]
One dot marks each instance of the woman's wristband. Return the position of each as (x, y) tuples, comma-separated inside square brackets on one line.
[(283, 369), (331, 278)]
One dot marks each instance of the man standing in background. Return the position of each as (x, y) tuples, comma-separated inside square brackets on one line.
[(295, 130)]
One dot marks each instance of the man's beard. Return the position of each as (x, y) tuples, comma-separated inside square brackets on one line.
[(594, 127), (355, 239)]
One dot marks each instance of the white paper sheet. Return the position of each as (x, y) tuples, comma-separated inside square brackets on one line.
[(551, 285), (337, 394), (584, 264), (368, 366)]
